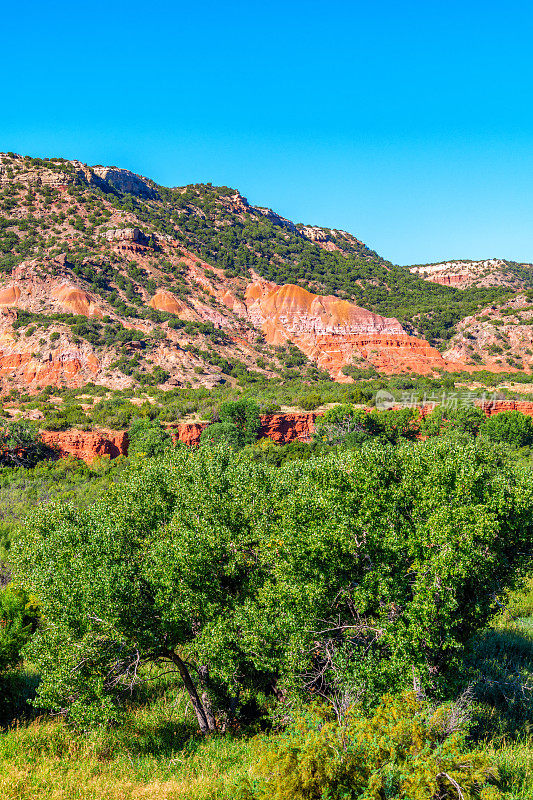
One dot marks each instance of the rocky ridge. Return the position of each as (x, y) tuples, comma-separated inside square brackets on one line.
[(110, 279), (490, 272)]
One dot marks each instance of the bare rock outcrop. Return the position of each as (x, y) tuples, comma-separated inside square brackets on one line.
[(491, 272), (126, 181), (87, 445), (288, 427), (281, 428), (334, 332)]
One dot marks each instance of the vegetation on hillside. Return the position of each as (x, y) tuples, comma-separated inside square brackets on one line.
[(348, 617), (223, 232)]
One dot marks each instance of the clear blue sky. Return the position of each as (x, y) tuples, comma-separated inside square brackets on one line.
[(409, 124)]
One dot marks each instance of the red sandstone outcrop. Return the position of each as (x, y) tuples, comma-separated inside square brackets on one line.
[(491, 272), (491, 407), (188, 433), (334, 332), (87, 445), (9, 295), (63, 364), (283, 428)]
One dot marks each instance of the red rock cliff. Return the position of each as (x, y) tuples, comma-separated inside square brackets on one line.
[(334, 332), (87, 445), (281, 428), (497, 406)]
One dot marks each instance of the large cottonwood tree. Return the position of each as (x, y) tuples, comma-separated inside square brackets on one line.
[(354, 573)]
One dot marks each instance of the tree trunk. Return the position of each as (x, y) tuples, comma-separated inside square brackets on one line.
[(209, 712), (199, 709)]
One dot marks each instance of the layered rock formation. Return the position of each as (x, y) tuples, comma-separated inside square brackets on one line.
[(87, 445), (491, 272), (166, 301), (77, 245), (491, 407), (126, 181), (63, 366), (289, 427), (188, 433), (334, 332)]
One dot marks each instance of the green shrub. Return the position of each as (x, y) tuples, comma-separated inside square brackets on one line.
[(148, 437), (309, 402), (405, 751), (510, 427)]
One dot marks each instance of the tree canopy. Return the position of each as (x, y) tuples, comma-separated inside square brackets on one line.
[(354, 573)]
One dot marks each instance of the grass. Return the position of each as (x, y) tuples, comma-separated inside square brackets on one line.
[(156, 752), (43, 760), (514, 761)]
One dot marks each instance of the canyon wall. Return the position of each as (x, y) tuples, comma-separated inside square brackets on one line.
[(87, 445), (336, 333), (281, 428)]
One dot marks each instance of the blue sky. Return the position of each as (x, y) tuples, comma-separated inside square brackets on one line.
[(409, 124)]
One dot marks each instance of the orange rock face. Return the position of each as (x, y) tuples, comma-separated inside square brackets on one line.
[(9, 295), (63, 364), (87, 445), (76, 300), (392, 354), (281, 428), (335, 333), (449, 280), (497, 406), (165, 301), (188, 433)]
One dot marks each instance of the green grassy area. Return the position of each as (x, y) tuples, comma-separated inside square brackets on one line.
[(156, 751)]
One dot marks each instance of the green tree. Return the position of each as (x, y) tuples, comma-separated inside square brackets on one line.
[(466, 419), (348, 575), (18, 620), (223, 432), (148, 436), (510, 427), (21, 445), (344, 424), (245, 414)]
